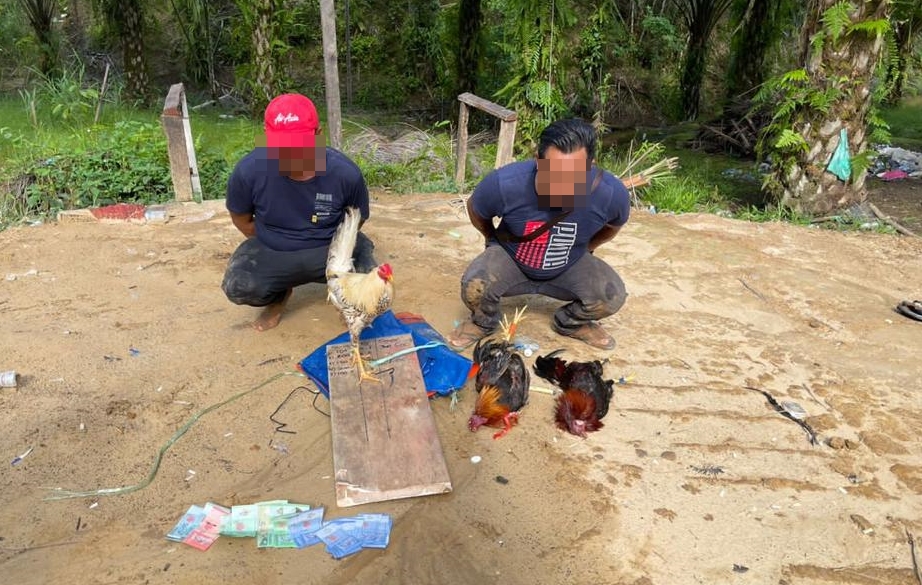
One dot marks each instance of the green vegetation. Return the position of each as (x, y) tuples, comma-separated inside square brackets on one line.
[(904, 122), (67, 139)]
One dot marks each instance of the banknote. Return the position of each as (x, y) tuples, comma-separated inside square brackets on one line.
[(376, 530), (302, 527), (192, 518), (341, 538), (272, 524), (207, 531)]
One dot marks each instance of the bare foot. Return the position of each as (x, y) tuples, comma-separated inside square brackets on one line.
[(271, 315)]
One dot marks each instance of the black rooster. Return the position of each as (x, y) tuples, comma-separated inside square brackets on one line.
[(586, 394)]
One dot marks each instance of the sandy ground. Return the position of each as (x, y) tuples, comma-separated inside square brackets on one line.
[(692, 474)]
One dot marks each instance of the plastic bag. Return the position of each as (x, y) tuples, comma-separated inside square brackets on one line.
[(840, 164), (444, 371)]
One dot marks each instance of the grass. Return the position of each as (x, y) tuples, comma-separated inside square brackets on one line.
[(704, 182), (904, 121)]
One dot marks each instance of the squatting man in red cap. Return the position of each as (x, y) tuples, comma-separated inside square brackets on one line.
[(288, 199)]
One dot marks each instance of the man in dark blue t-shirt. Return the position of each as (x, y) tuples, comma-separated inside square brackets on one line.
[(554, 212), (288, 199)]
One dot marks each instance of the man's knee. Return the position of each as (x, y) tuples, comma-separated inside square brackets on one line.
[(472, 291), (242, 289), (614, 296)]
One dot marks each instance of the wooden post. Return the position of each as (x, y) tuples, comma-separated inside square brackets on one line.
[(331, 73), (506, 141), (462, 146), (183, 165)]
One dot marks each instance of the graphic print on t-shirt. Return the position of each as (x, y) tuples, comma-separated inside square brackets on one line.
[(323, 206), (550, 250)]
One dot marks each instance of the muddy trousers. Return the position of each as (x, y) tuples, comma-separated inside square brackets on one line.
[(258, 276), (593, 287)]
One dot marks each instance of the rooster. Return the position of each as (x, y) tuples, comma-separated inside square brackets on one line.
[(586, 395), (501, 380), (358, 297)]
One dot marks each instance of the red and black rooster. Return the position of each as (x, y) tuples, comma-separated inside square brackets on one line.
[(586, 394), (501, 380)]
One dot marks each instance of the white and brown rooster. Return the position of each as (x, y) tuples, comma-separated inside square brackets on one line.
[(359, 297)]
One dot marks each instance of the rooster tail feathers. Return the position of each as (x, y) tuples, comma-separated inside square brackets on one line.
[(339, 258), (549, 366)]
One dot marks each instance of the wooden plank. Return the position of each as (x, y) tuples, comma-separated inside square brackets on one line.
[(190, 150), (178, 151), (504, 114), (462, 148), (505, 144), (385, 443)]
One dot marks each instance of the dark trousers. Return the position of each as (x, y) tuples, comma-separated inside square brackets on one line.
[(593, 287), (260, 276)]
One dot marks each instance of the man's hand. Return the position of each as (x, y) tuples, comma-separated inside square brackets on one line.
[(603, 235), (245, 223), (482, 224)]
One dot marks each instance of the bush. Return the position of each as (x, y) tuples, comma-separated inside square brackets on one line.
[(124, 163)]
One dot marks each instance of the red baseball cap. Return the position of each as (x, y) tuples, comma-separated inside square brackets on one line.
[(291, 122)]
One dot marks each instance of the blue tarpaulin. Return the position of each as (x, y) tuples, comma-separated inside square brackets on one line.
[(444, 371)]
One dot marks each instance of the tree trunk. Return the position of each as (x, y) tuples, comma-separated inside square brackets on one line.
[(262, 52), (758, 30), (693, 71), (846, 67), (469, 22), (132, 37), (41, 15), (331, 73), (700, 16)]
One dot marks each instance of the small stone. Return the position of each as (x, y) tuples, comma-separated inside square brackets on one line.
[(640, 452), (836, 443), (849, 444), (862, 523), (501, 480), (669, 456)]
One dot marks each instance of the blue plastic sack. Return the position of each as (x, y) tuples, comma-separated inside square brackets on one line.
[(444, 371)]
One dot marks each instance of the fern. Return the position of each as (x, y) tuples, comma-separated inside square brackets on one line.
[(872, 28), (837, 19), (816, 44), (792, 78), (790, 141), (861, 162)]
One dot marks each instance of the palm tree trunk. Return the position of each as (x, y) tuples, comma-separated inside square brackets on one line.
[(469, 22), (700, 16), (759, 29), (262, 51), (132, 33), (41, 15), (846, 67)]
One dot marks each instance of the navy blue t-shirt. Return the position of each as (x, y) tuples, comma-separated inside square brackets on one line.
[(509, 193), (295, 215)]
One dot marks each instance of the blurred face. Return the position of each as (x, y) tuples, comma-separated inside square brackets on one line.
[(562, 179), (300, 162)]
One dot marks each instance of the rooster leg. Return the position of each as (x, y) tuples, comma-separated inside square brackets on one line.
[(507, 424), (362, 367)]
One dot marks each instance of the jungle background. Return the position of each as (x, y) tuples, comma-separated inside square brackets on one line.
[(751, 96)]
